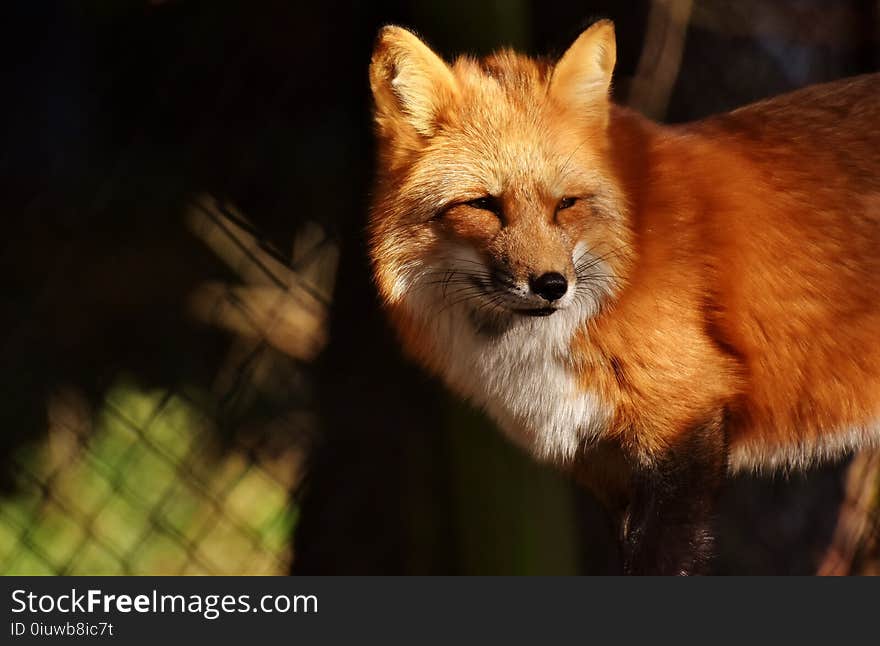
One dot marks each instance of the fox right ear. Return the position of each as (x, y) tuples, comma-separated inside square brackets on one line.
[(410, 83)]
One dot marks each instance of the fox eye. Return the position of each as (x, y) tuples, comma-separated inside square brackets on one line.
[(566, 203), (486, 203)]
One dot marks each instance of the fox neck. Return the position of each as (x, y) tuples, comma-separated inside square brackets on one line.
[(522, 375)]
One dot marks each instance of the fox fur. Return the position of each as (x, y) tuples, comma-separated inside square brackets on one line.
[(721, 309)]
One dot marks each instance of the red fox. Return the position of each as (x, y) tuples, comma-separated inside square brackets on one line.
[(650, 307)]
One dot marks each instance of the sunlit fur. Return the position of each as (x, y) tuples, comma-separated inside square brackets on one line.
[(517, 368), (729, 265)]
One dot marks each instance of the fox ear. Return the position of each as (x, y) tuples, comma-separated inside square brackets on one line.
[(582, 77), (410, 83)]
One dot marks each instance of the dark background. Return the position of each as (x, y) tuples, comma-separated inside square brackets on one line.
[(123, 115)]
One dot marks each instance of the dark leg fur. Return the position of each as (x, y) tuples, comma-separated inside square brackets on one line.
[(667, 529)]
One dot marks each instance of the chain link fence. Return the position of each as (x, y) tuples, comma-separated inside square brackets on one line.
[(157, 481)]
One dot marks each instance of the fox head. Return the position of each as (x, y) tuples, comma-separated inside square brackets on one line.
[(496, 195)]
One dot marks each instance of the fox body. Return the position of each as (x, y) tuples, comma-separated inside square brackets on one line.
[(651, 307)]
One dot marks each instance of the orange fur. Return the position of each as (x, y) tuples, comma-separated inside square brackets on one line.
[(756, 288), (745, 248)]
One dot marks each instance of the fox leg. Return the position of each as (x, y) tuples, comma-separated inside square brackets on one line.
[(667, 525)]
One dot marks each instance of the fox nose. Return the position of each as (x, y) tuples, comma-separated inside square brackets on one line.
[(550, 286)]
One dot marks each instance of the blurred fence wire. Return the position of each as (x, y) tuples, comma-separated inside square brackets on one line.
[(855, 546), (160, 481)]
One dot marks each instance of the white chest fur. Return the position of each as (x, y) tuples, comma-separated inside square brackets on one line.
[(523, 379)]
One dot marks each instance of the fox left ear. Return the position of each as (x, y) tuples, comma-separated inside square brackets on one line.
[(411, 84), (582, 77)]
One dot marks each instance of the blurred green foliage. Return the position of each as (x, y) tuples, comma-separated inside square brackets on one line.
[(144, 491)]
